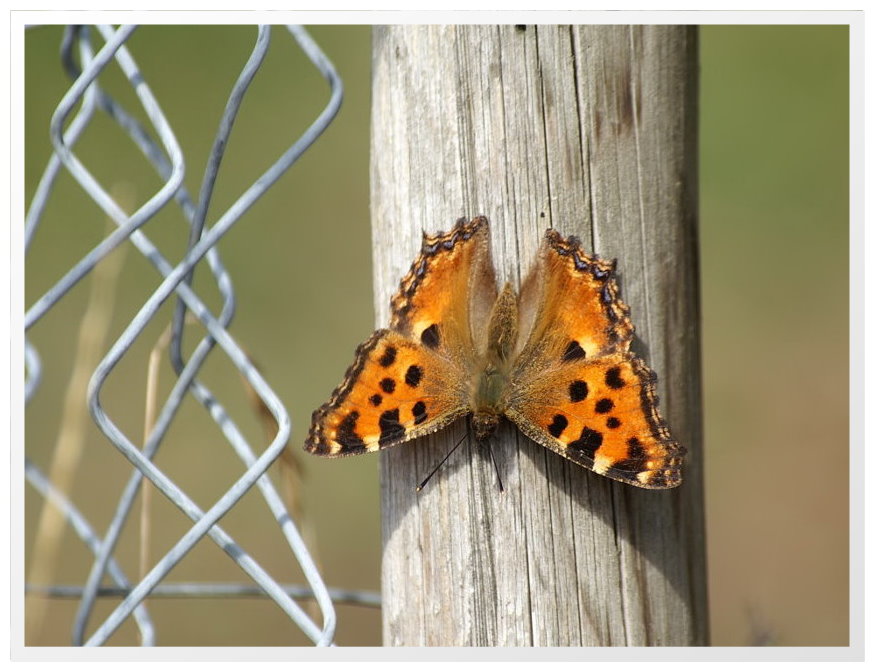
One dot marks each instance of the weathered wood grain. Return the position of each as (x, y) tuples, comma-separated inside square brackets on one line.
[(593, 131)]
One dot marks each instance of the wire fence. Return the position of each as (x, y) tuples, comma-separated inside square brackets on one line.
[(84, 101)]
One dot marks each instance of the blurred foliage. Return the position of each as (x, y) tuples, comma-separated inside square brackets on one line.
[(774, 241), (774, 235)]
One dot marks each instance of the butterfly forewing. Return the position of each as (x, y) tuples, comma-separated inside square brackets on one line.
[(601, 413), (396, 390)]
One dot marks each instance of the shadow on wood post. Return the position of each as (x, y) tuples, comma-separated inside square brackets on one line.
[(592, 131)]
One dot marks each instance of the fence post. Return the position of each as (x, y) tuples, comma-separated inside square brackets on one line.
[(593, 131)]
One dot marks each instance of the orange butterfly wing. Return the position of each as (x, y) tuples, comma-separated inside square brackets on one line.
[(576, 387), (414, 378)]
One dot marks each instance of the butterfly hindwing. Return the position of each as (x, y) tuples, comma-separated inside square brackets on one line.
[(569, 304), (450, 287)]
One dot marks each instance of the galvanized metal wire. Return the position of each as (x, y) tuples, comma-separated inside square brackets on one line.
[(165, 155)]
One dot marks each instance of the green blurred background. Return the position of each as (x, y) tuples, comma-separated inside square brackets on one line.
[(774, 232)]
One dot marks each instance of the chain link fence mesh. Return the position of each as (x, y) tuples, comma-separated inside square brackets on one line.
[(86, 53)]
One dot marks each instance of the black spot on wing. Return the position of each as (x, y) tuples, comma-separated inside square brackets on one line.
[(413, 375), (559, 423), (387, 385), (430, 336), (375, 400), (419, 411), (390, 428), (603, 405), (589, 441), (613, 378), (573, 352), (347, 434), (637, 452), (388, 357), (635, 461), (578, 391)]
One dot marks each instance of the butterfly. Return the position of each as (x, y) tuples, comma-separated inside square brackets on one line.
[(554, 359)]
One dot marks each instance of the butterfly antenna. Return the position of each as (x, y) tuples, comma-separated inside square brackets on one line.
[(496, 469), (433, 472)]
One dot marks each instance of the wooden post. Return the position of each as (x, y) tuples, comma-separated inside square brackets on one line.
[(592, 131)]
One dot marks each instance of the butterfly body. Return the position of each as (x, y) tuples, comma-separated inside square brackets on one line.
[(492, 383), (553, 358)]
